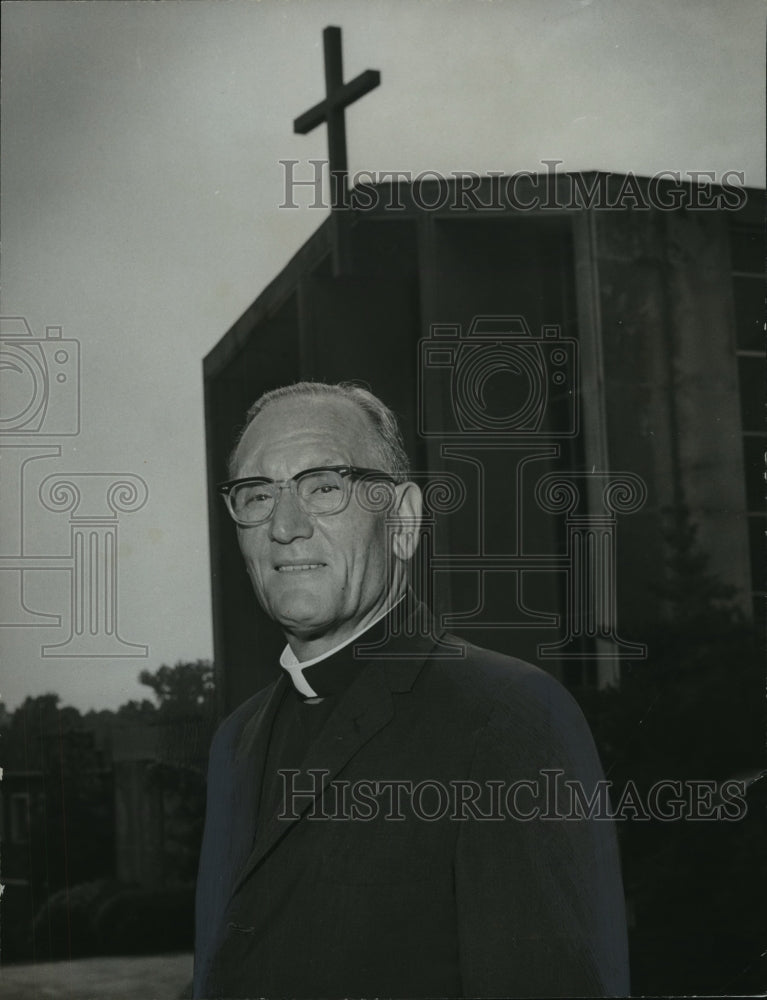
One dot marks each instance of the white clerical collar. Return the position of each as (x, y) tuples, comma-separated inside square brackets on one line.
[(295, 667)]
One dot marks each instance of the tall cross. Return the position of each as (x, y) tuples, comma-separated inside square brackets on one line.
[(338, 96)]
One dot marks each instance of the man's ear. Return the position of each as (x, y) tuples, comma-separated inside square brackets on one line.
[(406, 518)]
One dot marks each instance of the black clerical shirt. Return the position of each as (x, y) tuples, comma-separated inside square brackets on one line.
[(300, 719)]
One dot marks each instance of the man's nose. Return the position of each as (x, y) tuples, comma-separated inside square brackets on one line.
[(288, 521)]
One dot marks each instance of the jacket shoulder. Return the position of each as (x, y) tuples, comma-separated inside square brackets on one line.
[(231, 727), (508, 698), (497, 679)]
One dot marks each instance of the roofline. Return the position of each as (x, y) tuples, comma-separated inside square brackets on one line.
[(525, 185)]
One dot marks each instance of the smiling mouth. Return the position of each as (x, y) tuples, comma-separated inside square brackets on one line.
[(298, 567)]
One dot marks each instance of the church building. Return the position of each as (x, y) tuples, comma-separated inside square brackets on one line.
[(576, 361)]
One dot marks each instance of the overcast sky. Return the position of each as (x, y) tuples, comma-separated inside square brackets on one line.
[(140, 183)]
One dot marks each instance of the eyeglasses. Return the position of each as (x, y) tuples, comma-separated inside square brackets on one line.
[(324, 490)]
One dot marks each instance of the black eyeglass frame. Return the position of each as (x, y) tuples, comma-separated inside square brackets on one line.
[(350, 471)]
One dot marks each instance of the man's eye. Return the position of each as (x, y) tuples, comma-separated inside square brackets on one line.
[(325, 488), (254, 499)]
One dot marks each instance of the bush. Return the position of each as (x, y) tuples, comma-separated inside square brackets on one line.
[(145, 921), (107, 917), (63, 926)]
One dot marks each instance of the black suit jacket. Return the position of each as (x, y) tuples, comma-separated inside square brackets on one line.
[(458, 905)]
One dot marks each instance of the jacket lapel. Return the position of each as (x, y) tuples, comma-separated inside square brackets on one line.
[(363, 711), (247, 780)]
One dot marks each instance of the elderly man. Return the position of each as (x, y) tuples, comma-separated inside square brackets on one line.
[(383, 819)]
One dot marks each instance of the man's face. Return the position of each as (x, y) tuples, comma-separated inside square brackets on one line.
[(318, 576)]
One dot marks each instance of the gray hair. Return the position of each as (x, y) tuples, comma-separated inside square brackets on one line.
[(389, 444)]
